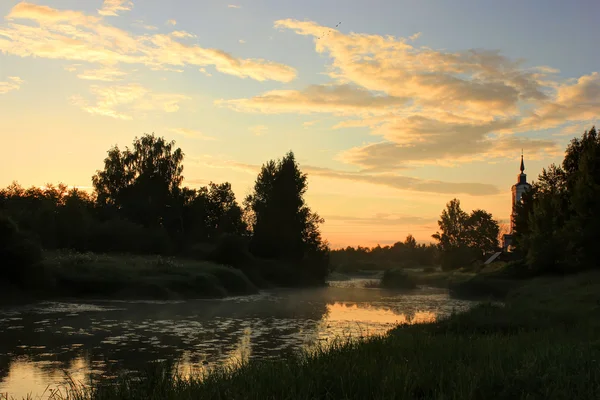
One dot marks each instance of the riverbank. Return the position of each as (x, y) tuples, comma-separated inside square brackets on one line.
[(541, 343), (66, 274)]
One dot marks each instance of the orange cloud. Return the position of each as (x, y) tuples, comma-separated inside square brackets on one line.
[(13, 83), (112, 7), (124, 101), (72, 35)]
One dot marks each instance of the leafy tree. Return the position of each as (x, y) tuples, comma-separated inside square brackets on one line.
[(283, 226), (139, 183), (453, 224), (465, 238), (482, 231)]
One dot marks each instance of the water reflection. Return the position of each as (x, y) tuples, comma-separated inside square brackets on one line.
[(39, 344)]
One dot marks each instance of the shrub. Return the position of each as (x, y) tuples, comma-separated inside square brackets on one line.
[(19, 255), (231, 250), (428, 270), (397, 278)]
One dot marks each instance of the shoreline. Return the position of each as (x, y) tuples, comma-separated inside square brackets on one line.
[(538, 344)]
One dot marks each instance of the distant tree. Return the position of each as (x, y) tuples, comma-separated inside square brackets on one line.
[(453, 226), (463, 237), (410, 242), (482, 231)]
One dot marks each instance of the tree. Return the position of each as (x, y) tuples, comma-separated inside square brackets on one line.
[(453, 226), (465, 238), (482, 231), (140, 183), (283, 226)]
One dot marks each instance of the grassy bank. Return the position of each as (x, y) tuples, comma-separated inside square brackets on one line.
[(90, 275), (540, 344)]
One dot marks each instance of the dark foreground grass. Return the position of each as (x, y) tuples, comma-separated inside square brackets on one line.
[(542, 343), (131, 276)]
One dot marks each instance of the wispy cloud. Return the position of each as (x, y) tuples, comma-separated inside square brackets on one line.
[(308, 124), (242, 41), (233, 6), (75, 36), (191, 133), (394, 181), (140, 24), (258, 130), (415, 36), (182, 34), (12, 83), (105, 74), (171, 22), (112, 7), (429, 106), (127, 101)]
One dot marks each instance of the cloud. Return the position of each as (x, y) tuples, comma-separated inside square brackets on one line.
[(125, 101), (336, 99), (578, 101), (75, 36), (258, 130), (112, 7), (139, 23), (171, 22), (406, 183), (182, 34), (12, 83), (191, 133), (393, 181), (382, 219), (415, 36), (242, 41), (307, 124), (429, 106), (419, 140), (104, 74), (233, 6)]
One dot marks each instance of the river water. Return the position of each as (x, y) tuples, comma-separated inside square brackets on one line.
[(43, 343)]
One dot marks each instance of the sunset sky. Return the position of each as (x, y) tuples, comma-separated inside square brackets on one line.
[(402, 107)]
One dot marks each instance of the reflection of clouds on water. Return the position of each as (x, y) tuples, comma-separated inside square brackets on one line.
[(111, 337)]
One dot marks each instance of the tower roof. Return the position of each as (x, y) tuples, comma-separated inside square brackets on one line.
[(522, 163)]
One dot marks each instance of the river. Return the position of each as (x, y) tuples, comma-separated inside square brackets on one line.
[(40, 344)]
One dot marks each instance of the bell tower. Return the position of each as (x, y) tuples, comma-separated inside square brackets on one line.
[(518, 189)]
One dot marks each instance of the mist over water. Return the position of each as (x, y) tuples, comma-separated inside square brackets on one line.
[(40, 343)]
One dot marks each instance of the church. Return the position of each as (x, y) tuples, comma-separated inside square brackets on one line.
[(518, 190)]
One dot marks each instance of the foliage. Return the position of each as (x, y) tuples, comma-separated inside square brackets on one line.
[(19, 255), (397, 278), (558, 223), (407, 254), (464, 237), (106, 275), (283, 226)]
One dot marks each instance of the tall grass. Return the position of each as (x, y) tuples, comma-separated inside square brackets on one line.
[(90, 274), (541, 343)]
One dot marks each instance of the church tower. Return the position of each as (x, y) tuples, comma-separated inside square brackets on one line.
[(518, 189)]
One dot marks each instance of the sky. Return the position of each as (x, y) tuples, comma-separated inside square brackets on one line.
[(392, 107)]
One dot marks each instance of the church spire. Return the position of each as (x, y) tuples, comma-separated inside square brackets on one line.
[(522, 163)]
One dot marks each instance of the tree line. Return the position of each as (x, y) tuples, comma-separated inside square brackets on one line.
[(401, 254), (557, 223), (139, 205)]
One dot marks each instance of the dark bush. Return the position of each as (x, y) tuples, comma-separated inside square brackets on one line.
[(231, 250), (20, 255), (397, 278)]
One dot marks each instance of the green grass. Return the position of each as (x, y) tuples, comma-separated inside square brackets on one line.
[(131, 276), (541, 343)]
